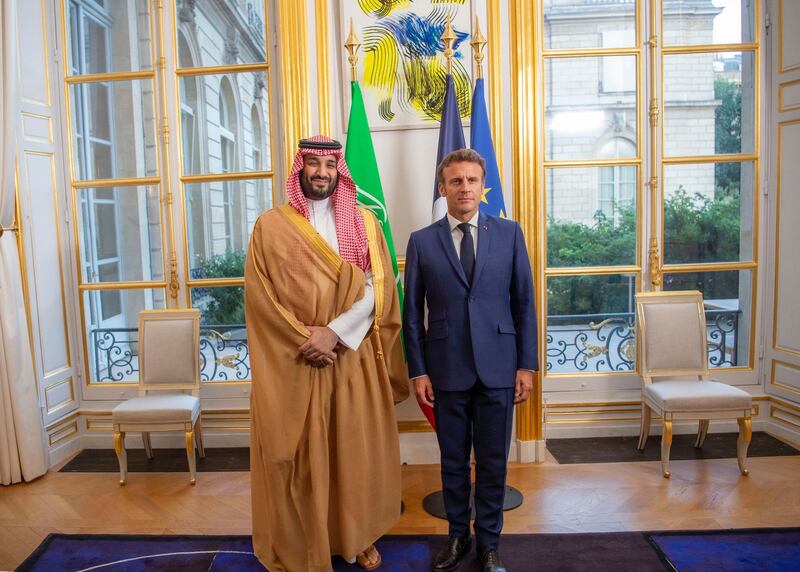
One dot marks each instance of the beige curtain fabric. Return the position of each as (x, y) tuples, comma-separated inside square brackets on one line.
[(22, 451)]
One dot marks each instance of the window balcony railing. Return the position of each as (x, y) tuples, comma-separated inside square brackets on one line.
[(575, 344), (607, 342), (224, 353)]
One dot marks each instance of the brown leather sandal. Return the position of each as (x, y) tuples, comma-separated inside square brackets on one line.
[(363, 559)]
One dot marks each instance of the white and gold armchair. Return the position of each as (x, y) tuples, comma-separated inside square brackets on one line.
[(672, 328), (169, 361)]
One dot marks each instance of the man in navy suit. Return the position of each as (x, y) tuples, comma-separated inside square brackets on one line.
[(478, 354)]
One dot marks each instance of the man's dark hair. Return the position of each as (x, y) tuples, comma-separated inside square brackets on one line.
[(459, 156)]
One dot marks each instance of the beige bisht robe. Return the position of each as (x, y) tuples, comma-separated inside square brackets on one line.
[(324, 452)]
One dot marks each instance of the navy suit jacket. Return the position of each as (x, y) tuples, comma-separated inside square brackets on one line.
[(485, 331)]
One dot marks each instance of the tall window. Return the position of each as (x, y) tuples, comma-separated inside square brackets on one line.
[(702, 161), (124, 126), (593, 163), (220, 193), (710, 167)]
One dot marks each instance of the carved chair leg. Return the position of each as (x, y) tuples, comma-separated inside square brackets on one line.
[(148, 448), (190, 455), (702, 431), (666, 443), (198, 431), (743, 442), (644, 430), (122, 456)]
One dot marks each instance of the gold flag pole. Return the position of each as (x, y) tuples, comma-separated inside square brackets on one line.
[(449, 37), (478, 43), (352, 44)]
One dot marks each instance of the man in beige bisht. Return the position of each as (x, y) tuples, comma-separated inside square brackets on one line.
[(323, 324)]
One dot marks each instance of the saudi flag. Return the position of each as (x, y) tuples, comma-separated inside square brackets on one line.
[(360, 157)]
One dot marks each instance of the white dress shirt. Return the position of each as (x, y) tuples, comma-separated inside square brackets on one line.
[(458, 235), (351, 325)]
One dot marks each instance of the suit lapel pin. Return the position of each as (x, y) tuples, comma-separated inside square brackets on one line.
[(486, 227)]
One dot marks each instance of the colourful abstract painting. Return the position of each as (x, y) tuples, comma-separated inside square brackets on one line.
[(401, 63)]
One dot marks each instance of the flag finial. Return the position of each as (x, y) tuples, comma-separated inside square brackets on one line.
[(352, 44), (449, 37), (478, 43)]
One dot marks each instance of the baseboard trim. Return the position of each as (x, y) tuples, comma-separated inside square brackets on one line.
[(529, 451)]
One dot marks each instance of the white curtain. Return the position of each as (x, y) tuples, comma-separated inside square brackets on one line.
[(22, 451)]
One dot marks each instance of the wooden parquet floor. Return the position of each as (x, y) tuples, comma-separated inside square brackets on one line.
[(558, 498)]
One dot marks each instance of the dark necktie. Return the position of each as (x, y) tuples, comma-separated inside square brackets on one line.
[(467, 253)]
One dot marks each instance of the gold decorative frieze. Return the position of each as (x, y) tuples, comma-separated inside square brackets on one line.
[(63, 433)]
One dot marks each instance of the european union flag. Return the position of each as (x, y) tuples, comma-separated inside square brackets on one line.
[(451, 138), (492, 202)]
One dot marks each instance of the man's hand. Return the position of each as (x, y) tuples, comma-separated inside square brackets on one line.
[(318, 349), (524, 385), (423, 390)]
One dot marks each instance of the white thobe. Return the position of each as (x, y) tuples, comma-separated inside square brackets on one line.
[(351, 325)]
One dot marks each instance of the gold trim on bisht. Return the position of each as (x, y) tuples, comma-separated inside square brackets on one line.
[(378, 274)]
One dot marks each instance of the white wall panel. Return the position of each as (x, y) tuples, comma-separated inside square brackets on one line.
[(781, 368), (44, 247), (787, 301), (59, 395), (785, 379), (789, 38), (33, 50), (37, 128), (789, 96), (45, 230)]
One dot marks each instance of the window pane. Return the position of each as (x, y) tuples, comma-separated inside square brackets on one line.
[(109, 272), (708, 212), (578, 24), (110, 301), (116, 119), (715, 22), (590, 323), (591, 216), (123, 224), (112, 337), (727, 296), (213, 33), (709, 103), (224, 123), (589, 101), (114, 39), (224, 353), (107, 230), (219, 218), (100, 124), (101, 160)]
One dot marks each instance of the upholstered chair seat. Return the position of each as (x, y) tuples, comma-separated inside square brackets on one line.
[(688, 395), (158, 409), (672, 327), (169, 365)]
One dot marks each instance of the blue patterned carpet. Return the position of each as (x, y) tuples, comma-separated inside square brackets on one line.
[(520, 552), (741, 550), (766, 549)]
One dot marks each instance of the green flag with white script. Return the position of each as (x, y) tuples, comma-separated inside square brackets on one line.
[(360, 157)]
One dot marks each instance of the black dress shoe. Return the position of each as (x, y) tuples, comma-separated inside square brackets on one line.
[(490, 561), (451, 555)]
